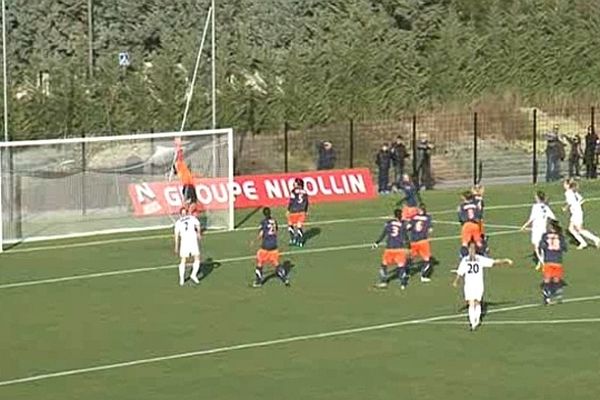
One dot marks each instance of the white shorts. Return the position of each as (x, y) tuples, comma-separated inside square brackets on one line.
[(473, 292), (576, 219), (536, 237), (189, 249)]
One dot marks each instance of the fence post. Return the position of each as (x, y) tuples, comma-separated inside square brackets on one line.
[(534, 167), (83, 172), (351, 133), (474, 148), (414, 145), (286, 129)]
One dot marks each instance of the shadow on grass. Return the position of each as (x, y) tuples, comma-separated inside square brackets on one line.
[(287, 266)]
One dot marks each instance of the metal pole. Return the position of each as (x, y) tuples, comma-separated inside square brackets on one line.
[(351, 143), (534, 133), (90, 10), (474, 148), (195, 75), (214, 69), (414, 145), (286, 129), (83, 182), (4, 71)]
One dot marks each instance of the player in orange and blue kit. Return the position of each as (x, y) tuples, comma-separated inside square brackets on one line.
[(268, 254), (410, 200), (296, 213), (478, 192), (470, 217), (419, 228), (552, 246), (395, 253)]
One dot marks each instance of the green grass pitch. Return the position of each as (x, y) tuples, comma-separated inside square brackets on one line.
[(74, 314)]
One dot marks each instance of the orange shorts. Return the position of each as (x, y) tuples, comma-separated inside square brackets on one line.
[(471, 231), (422, 249), (482, 227), (264, 257), (409, 212), (553, 271), (296, 219), (394, 257)]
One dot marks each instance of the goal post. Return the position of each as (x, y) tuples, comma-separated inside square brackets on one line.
[(74, 187)]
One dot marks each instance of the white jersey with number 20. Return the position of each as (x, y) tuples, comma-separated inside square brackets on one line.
[(472, 273)]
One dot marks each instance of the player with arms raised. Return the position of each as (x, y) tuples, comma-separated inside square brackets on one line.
[(469, 215), (187, 236), (395, 253), (574, 205), (470, 270), (552, 246), (410, 201), (181, 169), (478, 192), (540, 214), (268, 254), (419, 228), (297, 212)]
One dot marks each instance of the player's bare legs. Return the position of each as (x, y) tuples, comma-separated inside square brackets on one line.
[(195, 270), (580, 233), (182, 271)]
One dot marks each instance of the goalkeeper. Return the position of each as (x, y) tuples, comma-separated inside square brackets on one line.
[(181, 169)]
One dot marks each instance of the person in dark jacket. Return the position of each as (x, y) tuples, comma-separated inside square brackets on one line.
[(399, 154), (327, 157), (554, 155), (383, 161), (575, 154), (590, 158), (424, 175)]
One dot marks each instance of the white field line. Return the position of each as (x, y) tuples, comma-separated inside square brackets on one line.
[(250, 228), (224, 260), (525, 322), (269, 343)]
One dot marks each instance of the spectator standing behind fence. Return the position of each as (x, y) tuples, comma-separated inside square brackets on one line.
[(326, 156), (590, 158), (555, 153), (399, 155), (424, 176), (383, 161), (575, 154)]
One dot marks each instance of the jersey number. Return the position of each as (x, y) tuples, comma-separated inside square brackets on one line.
[(419, 226), (553, 243), (395, 231), (271, 229), (186, 225), (473, 268)]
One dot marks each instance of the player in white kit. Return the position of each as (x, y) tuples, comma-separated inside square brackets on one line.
[(187, 236), (540, 214), (574, 205), (471, 270)]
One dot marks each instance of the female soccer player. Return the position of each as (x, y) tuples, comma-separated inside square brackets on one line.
[(574, 205)]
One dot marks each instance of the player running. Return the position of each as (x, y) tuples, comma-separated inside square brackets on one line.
[(187, 236), (470, 270), (297, 212), (540, 214), (469, 215), (419, 228), (268, 254), (574, 205), (411, 200), (395, 253), (552, 246)]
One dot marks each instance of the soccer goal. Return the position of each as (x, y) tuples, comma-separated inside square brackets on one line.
[(99, 185)]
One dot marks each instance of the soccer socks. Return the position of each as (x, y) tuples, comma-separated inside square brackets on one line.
[(299, 236), (402, 275), (383, 274), (589, 235), (477, 314), (181, 273), (426, 270), (282, 274), (258, 276), (577, 236), (472, 317), (292, 233), (464, 251), (195, 270)]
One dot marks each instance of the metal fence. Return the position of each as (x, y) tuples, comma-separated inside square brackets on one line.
[(526, 145)]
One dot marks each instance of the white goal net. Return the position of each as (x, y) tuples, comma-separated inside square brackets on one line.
[(86, 186)]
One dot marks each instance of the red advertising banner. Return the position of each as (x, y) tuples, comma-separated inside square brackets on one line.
[(250, 191)]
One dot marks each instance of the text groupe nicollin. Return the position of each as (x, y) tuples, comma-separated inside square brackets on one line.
[(219, 191)]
